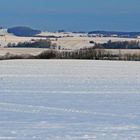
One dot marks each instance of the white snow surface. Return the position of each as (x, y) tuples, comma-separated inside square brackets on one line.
[(69, 100)]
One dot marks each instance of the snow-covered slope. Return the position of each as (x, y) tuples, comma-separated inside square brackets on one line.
[(3, 34), (69, 100), (6, 38)]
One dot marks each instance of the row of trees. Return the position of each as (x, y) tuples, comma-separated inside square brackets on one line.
[(88, 53), (41, 43), (118, 45)]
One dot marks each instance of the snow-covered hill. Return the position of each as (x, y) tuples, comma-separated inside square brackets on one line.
[(66, 40), (6, 38)]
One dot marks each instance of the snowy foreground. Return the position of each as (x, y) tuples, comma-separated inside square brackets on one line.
[(69, 100)]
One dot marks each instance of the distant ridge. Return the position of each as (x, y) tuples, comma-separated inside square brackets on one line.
[(23, 31), (120, 34)]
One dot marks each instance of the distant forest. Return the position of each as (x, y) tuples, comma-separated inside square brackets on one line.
[(119, 45), (23, 31)]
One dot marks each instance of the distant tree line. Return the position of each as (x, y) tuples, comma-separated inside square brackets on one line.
[(119, 34), (46, 43), (118, 45), (41, 43), (87, 53), (122, 45)]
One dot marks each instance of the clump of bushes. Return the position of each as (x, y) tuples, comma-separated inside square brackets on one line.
[(14, 56), (49, 54)]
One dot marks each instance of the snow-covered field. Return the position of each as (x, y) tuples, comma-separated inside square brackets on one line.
[(69, 100), (82, 42), (67, 41)]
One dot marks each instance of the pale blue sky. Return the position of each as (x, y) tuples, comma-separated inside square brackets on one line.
[(73, 15)]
